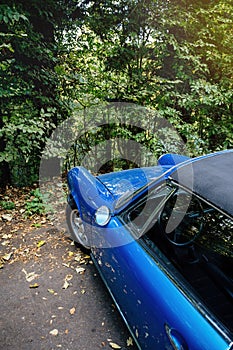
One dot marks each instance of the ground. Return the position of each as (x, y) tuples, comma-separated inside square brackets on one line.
[(51, 294)]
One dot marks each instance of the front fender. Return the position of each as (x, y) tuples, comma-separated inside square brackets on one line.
[(88, 193)]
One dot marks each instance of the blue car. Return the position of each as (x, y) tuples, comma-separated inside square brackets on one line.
[(161, 238)]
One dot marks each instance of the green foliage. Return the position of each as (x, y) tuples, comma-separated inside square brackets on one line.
[(59, 57), (29, 86), (174, 57), (7, 205), (36, 204), (120, 136)]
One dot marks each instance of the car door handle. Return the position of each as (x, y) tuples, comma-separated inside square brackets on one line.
[(176, 339)]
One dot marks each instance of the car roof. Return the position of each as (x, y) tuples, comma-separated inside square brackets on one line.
[(210, 177)]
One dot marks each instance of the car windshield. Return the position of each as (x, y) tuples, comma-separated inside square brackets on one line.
[(144, 214)]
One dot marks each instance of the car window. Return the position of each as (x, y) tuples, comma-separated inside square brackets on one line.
[(218, 233), (197, 240), (186, 219), (144, 214)]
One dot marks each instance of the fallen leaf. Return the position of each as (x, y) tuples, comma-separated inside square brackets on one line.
[(36, 224), (72, 311), (51, 291), (77, 258), (7, 217), (65, 285), (114, 345), (5, 243), (83, 261), (7, 256), (40, 243), (54, 332), (1, 263), (80, 270), (129, 341), (66, 265), (35, 285), (69, 277), (7, 236), (30, 276), (87, 257)]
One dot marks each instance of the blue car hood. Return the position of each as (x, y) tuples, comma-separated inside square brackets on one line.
[(113, 189), (128, 181)]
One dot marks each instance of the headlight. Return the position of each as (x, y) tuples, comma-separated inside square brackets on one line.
[(102, 215)]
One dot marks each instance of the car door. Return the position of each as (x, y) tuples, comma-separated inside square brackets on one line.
[(151, 298)]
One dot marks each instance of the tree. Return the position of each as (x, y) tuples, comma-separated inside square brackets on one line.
[(174, 57), (205, 105), (31, 107)]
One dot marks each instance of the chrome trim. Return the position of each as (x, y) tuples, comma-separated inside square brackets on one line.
[(230, 346)]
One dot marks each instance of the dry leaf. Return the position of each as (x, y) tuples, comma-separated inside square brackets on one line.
[(77, 258), (87, 257), (114, 345), (7, 256), (69, 277), (72, 311), (40, 243), (51, 291), (65, 285), (5, 243), (54, 332), (129, 341), (7, 217), (66, 265), (35, 285), (7, 236), (1, 263), (30, 276), (80, 270)]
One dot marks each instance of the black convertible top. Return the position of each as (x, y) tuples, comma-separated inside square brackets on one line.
[(210, 177)]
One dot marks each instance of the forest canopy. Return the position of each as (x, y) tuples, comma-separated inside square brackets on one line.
[(62, 57)]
